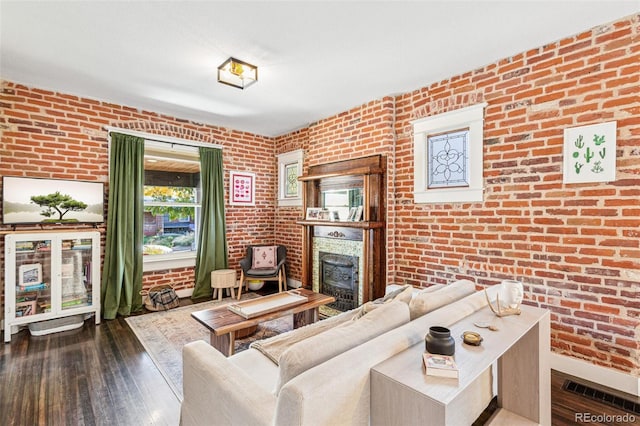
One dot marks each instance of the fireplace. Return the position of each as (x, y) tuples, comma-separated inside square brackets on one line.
[(357, 184), (339, 278)]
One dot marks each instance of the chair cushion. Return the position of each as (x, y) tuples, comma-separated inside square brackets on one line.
[(262, 272), (264, 257)]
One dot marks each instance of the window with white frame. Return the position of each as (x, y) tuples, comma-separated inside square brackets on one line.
[(289, 169), (171, 205), (448, 156)]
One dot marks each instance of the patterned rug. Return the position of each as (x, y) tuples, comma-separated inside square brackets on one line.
[(163, 334)]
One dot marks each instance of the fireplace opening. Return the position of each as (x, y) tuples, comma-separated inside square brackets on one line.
[(339, 278)]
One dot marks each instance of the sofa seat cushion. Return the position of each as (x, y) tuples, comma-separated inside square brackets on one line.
[(428, 299), (319, 348), (261, 369)]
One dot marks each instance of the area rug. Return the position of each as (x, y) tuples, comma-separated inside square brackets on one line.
[(163, 334)]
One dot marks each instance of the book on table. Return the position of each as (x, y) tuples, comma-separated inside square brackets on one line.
[(440, 365)]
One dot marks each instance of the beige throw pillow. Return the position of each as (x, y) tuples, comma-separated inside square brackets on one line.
[(403, 294), (428, 299), (319, 348), (264, 257)]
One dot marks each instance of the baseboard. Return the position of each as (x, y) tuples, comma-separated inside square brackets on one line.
[(608, 377), (184, 292)]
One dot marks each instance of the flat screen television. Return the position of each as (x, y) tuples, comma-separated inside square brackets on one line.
[(43, 201)]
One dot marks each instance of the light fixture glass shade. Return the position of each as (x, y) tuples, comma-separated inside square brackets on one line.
[(237, 73)]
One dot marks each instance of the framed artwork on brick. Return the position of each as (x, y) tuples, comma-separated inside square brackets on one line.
[(590, 153), (242, 188)]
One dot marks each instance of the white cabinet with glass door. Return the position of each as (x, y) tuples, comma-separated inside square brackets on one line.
[(50, 275)]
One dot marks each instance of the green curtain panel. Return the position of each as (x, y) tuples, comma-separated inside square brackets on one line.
[(212, 242), (122, 271)]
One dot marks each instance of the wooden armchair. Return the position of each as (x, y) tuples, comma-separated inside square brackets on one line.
[(266, 263)]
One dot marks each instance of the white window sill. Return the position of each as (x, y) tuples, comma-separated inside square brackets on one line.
[(161, 262), (466, 195), (288, 202)]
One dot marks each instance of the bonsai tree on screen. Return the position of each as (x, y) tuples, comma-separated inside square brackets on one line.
[(59, 204)]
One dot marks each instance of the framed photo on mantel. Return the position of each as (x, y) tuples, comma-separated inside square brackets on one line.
[(355, 214)]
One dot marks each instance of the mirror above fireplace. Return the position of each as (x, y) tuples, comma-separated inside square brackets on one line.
[(341, 201)]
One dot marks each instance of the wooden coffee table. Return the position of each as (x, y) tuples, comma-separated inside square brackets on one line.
[(223, 324)]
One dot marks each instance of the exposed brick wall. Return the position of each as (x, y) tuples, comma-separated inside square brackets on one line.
[(576, 247), (360, 132), (54, 135), (287, 232)]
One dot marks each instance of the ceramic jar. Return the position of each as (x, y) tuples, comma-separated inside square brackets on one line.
[(439, 341), (511, 293)]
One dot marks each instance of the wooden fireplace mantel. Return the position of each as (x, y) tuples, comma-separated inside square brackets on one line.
[(367, 173)]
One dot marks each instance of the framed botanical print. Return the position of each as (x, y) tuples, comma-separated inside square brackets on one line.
[(590, 153)]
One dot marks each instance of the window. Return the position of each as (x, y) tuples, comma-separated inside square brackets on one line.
[(289, 169), (171, 205), (448, 158), (291, 180), (448, 155)]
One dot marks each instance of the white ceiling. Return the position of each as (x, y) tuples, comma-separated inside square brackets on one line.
[(315, 59)]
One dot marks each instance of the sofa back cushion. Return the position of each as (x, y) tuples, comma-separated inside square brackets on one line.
[(317, 349), (402, 294), (428, 300)]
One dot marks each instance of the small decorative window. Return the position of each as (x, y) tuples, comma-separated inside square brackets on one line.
[(448, 156), (448, 159), (289, 169), (291, 183)]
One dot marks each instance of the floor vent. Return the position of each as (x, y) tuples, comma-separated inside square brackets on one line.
[(603, 397)]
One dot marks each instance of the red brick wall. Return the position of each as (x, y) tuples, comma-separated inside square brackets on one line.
[(576, 247), (360, 132), (287, 232), (54, 135)]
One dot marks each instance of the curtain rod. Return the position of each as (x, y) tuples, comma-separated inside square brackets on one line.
[(159, 138)]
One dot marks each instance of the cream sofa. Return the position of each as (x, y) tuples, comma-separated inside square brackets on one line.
[(330, 381)]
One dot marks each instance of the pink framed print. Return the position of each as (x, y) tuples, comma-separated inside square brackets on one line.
[(242, 188)]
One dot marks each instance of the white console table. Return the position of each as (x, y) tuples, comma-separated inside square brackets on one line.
[(401, 393)]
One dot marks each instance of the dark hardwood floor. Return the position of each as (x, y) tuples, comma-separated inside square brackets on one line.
[(96, 375), (101, 375)]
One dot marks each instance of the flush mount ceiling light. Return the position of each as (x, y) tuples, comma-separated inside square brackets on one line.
[(237, 73)]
